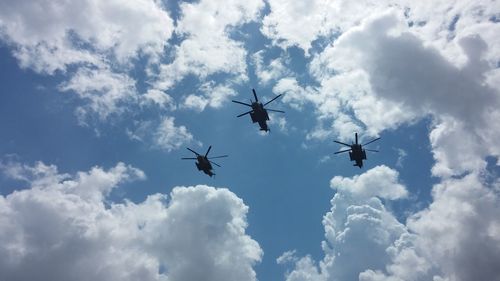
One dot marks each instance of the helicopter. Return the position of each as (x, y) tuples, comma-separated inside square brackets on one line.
[(259, 112), (203, 162), (356, 151)]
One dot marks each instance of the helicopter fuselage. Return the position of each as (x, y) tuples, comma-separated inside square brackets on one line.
[(203, 164), (259, 115), (357, 154), (356, 151)]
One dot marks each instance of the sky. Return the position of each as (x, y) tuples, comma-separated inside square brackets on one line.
[(100, 99)]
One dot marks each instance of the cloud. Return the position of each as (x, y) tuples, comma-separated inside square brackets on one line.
[(402, 154), (160, 98), (61, 226), (165, 135), (267, 72), (214, 95), (455, 238), (207, 47), (92, 43), (422, 59), (296, 23), (300, 23), (104, 92), (50, 35), (401, 69), (380, 181), (358, 228), (438, 23), (400, 78), (281, 123)]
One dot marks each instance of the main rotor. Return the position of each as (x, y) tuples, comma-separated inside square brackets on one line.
[(198, 156), (355, 144)]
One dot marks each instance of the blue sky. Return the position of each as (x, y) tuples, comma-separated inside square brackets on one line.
[(97, 110)]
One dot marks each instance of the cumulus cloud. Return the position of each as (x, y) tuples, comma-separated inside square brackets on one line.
[(60, 226), (269, 71), (213, 95), (358, 228), (92, 43), (401, 77), (165, 135), (438, 23), (393, 63), (207, 47), (103, 91), (460, 229), (299, 23), (50, 35), (394, 68), (160, 98), (380, 181), (280, 123), (455, 238)]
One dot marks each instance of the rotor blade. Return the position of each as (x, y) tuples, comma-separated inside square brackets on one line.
[(272, 99), (245, 113), (214, 163), (210, 147), (222, 156), (274, 110), (342, 151), (371, 141), (235, 101), (192, 151), (255, 95), (188, 158), (342, 143), (372, 150)]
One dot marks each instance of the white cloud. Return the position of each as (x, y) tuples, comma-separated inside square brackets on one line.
[(94, 37), (168, 136), (380, 181), (50, 35), (299, 23), (55, 231), (394, 63), (195, 102), (460, 229), (458, 148), (165, 135), (402, 154), (296, 23), (455, 238), (305, 269), (159, 98), (399, 78), (401, 69), (358, 228), (267, 72), (296, 95), (103, 91), (281, 123), (207, 48), (439, 23), (213, 95), (206, 236)]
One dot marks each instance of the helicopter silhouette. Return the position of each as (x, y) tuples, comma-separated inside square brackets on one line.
[(259, 112), (356, 151), (203, 162)]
